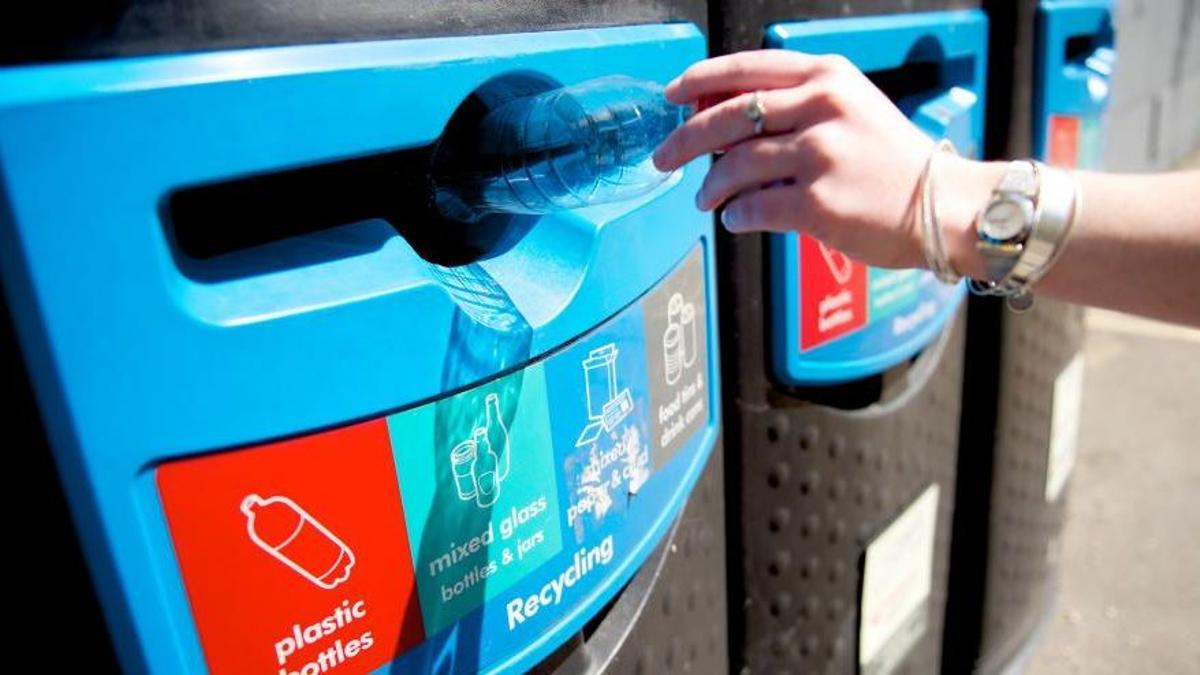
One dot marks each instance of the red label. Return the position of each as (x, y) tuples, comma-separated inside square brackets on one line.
[(833, 294), (1063, 141), (295, 554)]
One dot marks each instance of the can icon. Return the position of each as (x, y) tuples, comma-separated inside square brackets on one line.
[(292, 536), (687, 325), (673, 353)]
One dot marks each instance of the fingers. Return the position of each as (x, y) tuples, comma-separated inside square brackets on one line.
[(727, 123), (744, 71), (721, 126), (749, 165), (776, 209)]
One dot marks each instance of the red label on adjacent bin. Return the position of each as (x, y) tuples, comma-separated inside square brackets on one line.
[(833, 294), (1063, 141), (295, 554)]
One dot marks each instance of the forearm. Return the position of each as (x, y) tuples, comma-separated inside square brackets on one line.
[(1135, 247)]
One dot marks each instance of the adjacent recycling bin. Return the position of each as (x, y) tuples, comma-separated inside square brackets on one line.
[(1025, 375), (1075, 58), (350, 436), (843, 385)]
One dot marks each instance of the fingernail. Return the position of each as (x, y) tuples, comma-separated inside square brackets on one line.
[(700, 200), (728, 219)]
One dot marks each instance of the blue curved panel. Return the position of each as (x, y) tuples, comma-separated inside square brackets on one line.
[(1072, 75), (834, 319)]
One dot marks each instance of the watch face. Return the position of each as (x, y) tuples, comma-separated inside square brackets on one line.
[(1006, 220)]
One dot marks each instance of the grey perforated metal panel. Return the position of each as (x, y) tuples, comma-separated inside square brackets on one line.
[(1024, 525), (671, 618), (816, 486)]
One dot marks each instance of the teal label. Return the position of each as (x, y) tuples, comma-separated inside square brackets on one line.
[(892, 291), (1091, 143), (479, 492)]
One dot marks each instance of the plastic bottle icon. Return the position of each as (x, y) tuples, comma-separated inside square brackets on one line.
[(483, 468), (840, 265), (292, 536), (497, 434), (567, 148)]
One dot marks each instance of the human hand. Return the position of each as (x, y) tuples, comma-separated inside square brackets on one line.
[(836, 159)]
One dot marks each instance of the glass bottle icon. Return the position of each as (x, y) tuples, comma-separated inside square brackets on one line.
[(292, 536), (497, 434), (484, 468)]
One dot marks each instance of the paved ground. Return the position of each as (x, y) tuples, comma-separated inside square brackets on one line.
[(1131, 568)]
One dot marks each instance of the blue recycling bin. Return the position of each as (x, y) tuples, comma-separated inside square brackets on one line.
[(310, 449), (1073, 67), (836, 320)]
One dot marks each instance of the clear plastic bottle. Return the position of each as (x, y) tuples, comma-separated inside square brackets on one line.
[(567, 148)]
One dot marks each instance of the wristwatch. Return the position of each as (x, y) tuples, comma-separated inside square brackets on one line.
[(1004, 225), (1023, 228)]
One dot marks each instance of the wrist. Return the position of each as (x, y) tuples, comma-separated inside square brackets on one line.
[(964, 187)]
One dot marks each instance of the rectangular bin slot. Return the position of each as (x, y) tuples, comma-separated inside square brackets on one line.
[(237, 216), (217, 219), (328, 204), (1080, 47), (908, 80), (917, 82)]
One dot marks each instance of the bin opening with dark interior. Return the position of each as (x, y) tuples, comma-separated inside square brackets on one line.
[(208, 222), (925, 74), (1081, 47)]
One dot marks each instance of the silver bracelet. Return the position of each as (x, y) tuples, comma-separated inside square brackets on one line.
[(931, 231)]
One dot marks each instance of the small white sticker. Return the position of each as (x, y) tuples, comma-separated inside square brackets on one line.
[(1064, 427), (897, 579)]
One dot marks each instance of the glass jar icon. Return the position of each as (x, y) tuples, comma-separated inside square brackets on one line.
[(476, 469), (461, 459)]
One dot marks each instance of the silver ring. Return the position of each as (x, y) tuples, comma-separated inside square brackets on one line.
[(756, 113)]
